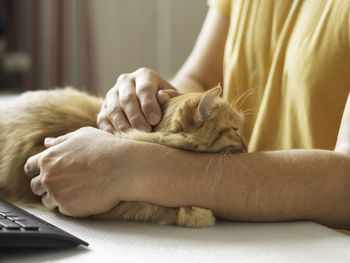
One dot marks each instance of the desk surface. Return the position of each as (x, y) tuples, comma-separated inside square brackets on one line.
[(224, 242)]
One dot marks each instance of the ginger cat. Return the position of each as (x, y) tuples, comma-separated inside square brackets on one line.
[(196, 121)]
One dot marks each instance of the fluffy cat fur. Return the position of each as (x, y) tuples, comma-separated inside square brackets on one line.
[(196, 121)]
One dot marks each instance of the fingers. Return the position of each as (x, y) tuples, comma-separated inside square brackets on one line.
[(48, 201), (39, 189), (103, 122), (134, 102), (164, 95), (146, 90), (170, 92), (129, 102), (50, 141), (112, 118), (32, 170), (37, 186), (31, 167), (152, 92)]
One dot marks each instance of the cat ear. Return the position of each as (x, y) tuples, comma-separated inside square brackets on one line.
[(207, 101)]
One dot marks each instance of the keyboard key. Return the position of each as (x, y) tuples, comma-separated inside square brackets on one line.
[(3, 213), (26, 225), (5, 223), (13, 218), (7, 213)]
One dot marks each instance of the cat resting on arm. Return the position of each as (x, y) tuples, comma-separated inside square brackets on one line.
[(200, 122)]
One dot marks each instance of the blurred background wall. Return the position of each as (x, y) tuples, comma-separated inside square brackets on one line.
[(89, 43)]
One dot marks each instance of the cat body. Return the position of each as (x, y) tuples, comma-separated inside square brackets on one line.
[(196, 121)]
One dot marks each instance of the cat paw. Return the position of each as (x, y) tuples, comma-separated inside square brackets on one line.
[(195, 217)]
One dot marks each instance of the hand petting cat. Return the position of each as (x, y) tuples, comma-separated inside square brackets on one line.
[(134, 102)]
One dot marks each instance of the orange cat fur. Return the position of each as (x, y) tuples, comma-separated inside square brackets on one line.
[(196, 121)]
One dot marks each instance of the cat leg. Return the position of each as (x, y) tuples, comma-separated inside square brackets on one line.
[(195, 217), (146, 212), (141, 211)]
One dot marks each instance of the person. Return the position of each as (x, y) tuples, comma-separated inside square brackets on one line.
[(292, 57)]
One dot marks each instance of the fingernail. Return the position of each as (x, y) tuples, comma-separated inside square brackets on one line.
[(154, 118), (163, 97), (49, 140), (144, 128)]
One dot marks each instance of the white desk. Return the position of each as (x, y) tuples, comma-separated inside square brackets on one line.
[(112, 241), (4, 97)]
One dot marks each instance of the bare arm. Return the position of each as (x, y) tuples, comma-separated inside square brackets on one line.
[(266, 186), (343, 140), (204, 67)]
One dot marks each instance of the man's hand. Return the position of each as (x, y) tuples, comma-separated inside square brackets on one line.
[(134, 102), (78, 173)]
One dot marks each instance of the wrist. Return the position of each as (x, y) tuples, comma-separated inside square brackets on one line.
[(137, 165), (147, 165), (163, 175), (123, 156)]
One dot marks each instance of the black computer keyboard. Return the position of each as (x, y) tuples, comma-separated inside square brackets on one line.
[(20, 229)]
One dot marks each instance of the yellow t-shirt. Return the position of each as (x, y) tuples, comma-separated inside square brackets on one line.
[(293, 57)]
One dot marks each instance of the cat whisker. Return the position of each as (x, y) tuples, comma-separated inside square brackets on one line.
[(246, 112), (238, 102), (251, 175), (218, 173)]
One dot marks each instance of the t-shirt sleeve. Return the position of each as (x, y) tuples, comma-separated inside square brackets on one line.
[(223, 5)]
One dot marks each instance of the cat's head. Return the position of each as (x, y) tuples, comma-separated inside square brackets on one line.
[(205, 120)]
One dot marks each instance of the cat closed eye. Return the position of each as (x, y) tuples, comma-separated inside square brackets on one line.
[(235, 129)]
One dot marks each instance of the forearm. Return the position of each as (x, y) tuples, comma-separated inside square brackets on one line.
[(204, 67), (266, 186), (185, 84)]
